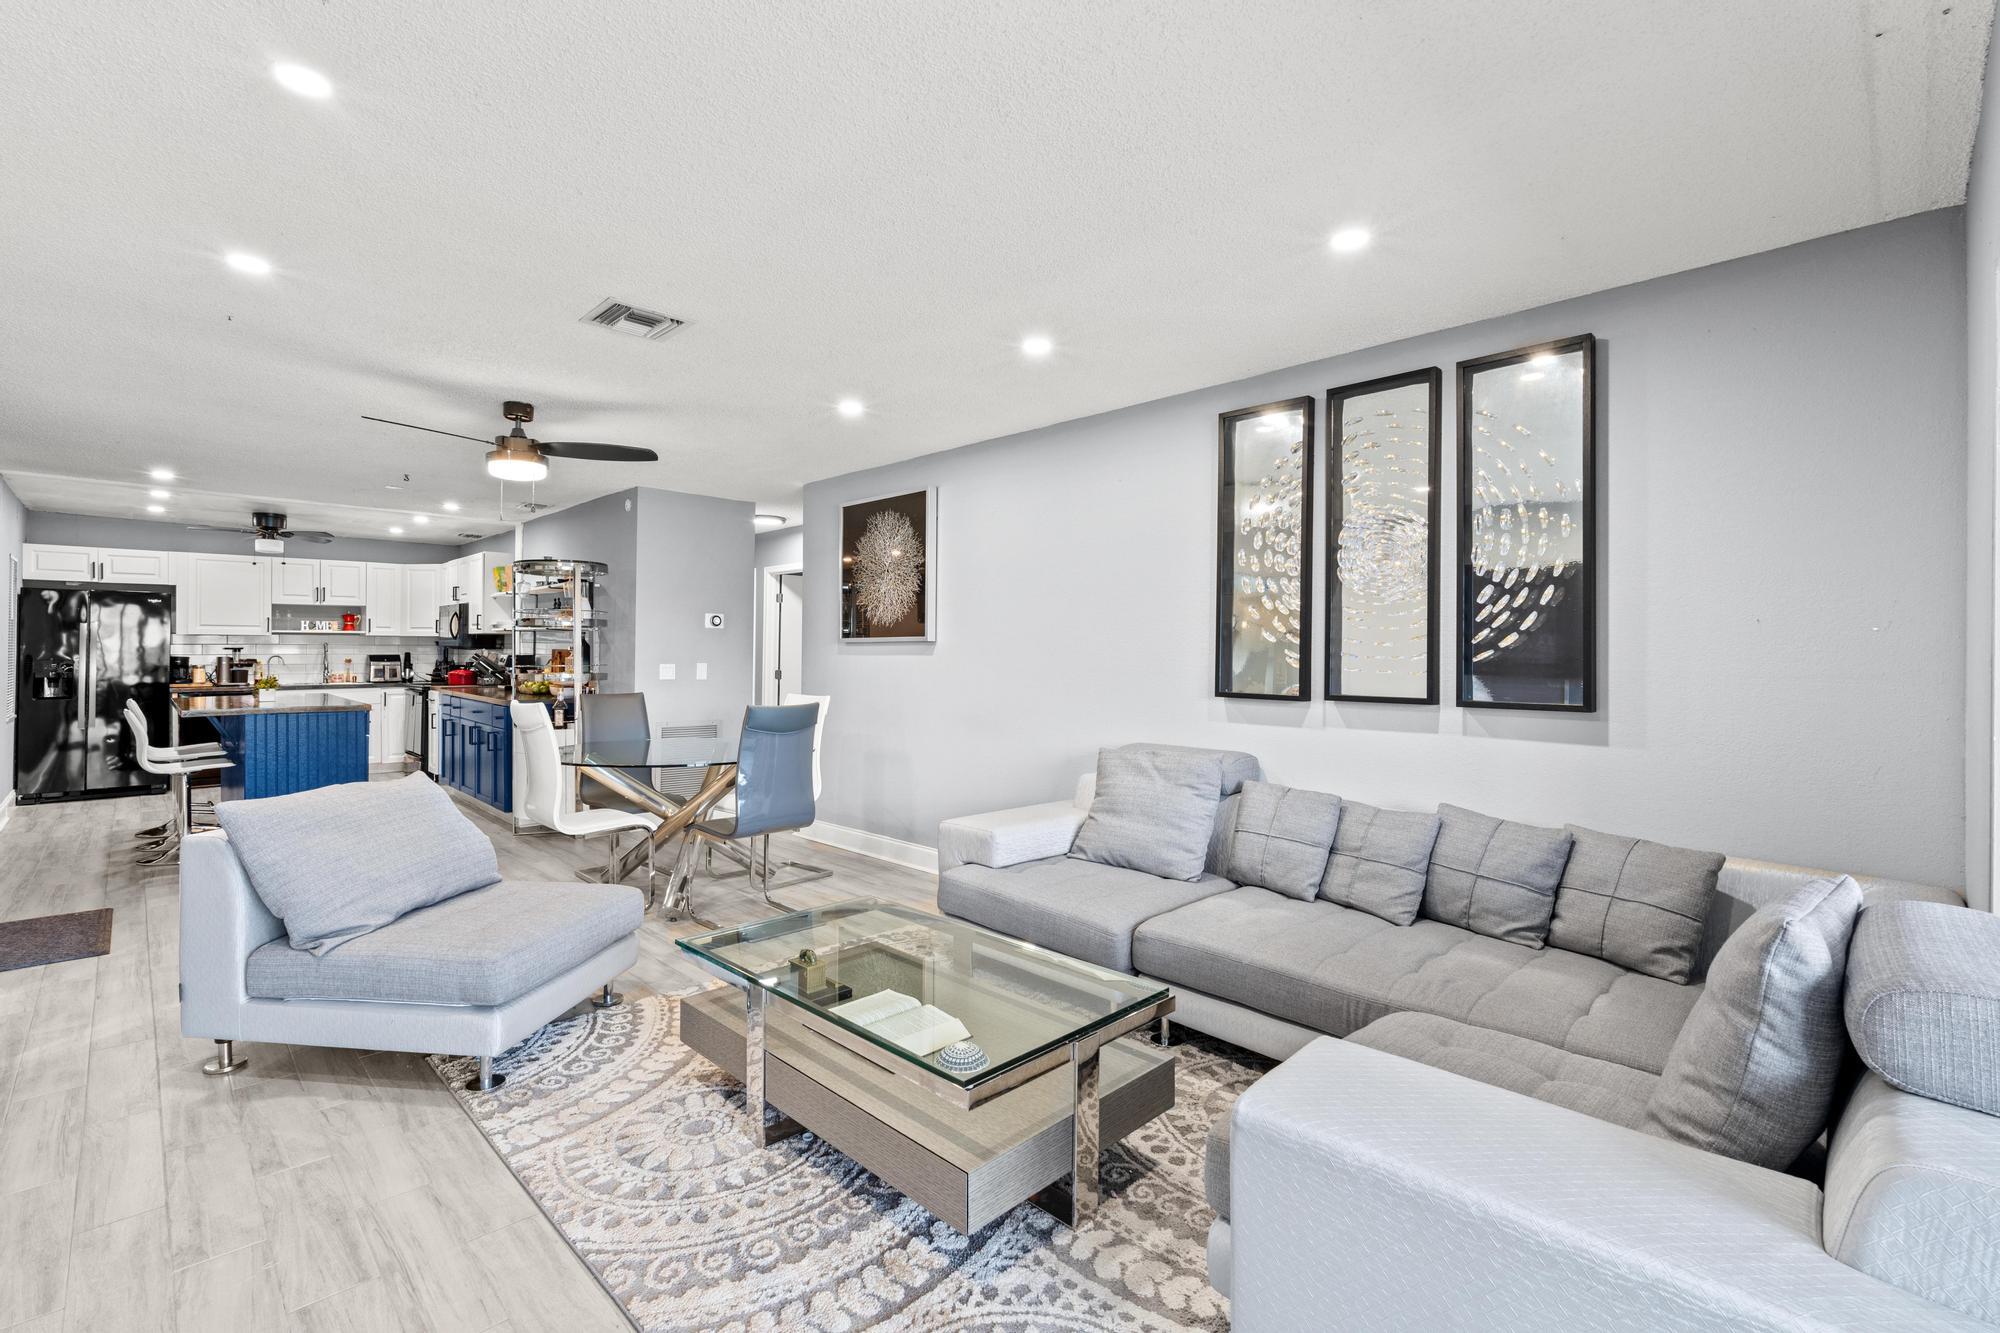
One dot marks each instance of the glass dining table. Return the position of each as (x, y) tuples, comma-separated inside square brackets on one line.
[(628, 767)]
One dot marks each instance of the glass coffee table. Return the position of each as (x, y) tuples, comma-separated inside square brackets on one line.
[(969, 1070)]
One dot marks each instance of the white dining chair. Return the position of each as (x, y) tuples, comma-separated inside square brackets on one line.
[(549, 792)]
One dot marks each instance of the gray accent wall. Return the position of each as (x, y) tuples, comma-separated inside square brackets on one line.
[(602, 529), (13, 526), (134, 534), (1782, 585), (695, 555), (1982, 319)]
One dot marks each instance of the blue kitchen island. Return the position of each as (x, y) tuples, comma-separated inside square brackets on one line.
[(294, 741)]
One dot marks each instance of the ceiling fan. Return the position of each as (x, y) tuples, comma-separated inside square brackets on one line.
[(516, 457), (270, 532)]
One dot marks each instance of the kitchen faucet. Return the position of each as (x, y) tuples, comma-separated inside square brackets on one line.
[(271, 666)]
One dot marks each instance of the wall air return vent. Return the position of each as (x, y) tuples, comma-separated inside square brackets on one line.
[(622, 318)]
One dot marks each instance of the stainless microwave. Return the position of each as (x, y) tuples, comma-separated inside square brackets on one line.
[(455, 624)]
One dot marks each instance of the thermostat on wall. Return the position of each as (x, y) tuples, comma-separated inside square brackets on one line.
[(713, 620)]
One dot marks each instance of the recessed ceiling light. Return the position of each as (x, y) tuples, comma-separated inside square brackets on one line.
[(1349, 240), (255, 265), (161, 474), (850, 407), (767, 522), (1037, 345), (159, 494), (298, 79), (156, 509), (420, 518), (449, 506), (396, 531)]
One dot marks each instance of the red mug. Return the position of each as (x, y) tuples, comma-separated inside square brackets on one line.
[(350, 622)]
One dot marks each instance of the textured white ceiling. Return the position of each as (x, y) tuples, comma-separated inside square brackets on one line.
[(865, 198)]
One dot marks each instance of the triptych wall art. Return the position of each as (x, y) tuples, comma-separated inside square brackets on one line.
[(1526, 628)]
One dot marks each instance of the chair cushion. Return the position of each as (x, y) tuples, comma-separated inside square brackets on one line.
[(1078, 908), (481, 948), (1335, 970), (1913, 1196), (1753, 1073), (336, 862), (1380, 861), (1612, 1092), (1282, 838), (1923, 1000), (1640, 904), (1494, 876), (1154, 811)]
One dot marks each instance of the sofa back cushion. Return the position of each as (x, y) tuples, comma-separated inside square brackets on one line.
[(1154, 810), (1752, 1073), (1495, 877), (336, 862), (1913, 1195), (1380, 861), (1923, 1001), (1642, 905), (1282, 837)]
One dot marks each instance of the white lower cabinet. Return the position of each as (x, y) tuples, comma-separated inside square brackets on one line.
[(388, 724)]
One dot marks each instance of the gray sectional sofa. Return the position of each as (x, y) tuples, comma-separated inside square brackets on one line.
[(1490, 1103)]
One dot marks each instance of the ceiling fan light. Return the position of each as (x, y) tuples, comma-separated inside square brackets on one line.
[(509, 463), (269, 546)]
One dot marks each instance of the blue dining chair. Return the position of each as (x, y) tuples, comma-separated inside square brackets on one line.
[(774, 781)]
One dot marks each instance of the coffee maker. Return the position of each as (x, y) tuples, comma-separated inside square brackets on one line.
[(231, 669)]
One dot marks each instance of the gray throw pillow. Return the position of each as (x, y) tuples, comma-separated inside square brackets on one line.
[(1282, 838), (1638, 904), (1154, 810), (1752, 1073), (1380, 860), (1495, 877), (336, 862), (1923, 1000)]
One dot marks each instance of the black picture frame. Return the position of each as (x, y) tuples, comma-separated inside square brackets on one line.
[(1431, 379), (1570, 640), (1225, 560)]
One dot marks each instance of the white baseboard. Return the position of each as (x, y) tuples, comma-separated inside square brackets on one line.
[(6, 808), (878, 845)]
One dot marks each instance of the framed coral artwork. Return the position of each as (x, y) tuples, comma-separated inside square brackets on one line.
[(888, 569)]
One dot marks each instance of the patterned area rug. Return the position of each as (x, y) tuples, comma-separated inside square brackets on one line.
[(634, 1145)]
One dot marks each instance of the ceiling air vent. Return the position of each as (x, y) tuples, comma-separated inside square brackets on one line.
[(622, 318)]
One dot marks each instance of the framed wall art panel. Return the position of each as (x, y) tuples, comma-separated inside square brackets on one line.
[(1263, 575), (1382, 522), (1527, 528), (888, 569)]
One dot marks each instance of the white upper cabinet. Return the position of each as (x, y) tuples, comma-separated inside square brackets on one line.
[(96, 564), (423, 593), (385, 600), (295, 581), (319, 582), (226, 594), (461, 580), (343, 582)]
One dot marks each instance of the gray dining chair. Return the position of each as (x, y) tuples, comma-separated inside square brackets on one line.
[(611, 717), (774, 782)]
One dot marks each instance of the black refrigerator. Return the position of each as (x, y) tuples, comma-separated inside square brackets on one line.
[(83, 653)]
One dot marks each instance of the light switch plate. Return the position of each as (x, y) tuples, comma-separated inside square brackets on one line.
[(701, 671), (666, 671)]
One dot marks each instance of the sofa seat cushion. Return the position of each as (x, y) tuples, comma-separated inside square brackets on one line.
[(1535, 1069), (1334, 969), (1078, 908), (482, 948)]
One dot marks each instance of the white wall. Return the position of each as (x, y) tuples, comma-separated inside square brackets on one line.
[(1982, 313), (1781, 588), (13, 523)]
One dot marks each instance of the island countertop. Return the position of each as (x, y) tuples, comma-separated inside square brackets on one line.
[(300, 701)]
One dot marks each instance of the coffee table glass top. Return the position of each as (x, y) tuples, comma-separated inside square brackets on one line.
[(959, 1002)]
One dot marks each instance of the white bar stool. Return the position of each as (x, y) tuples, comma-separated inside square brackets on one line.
[(174, 764)]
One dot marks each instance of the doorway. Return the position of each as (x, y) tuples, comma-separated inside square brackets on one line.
[(781, 655)]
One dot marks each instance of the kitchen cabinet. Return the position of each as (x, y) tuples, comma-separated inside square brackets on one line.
[(319, 582), (385, 600), (476, 749), (461, 579), (226, 594), (97, 564), (471, 579), (388, 723), (422, 595)]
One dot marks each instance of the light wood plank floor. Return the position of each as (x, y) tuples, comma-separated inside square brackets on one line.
[(316, 1189)]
